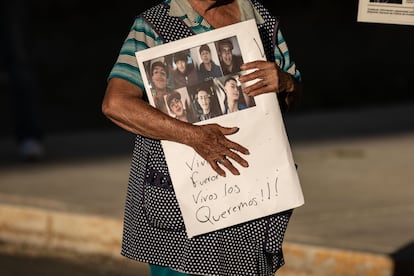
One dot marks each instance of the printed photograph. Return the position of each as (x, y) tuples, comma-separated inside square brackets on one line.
[(229, 55), (205, 102), (231, 94), (199, 83), (207, 62)]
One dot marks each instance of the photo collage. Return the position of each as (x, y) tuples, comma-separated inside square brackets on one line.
[(199, 83)]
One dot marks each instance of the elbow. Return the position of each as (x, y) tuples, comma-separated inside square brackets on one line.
[(108, 106), (105, 107), (117, 100)]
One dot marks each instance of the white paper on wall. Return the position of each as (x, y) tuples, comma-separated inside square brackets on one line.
[(386, 11)]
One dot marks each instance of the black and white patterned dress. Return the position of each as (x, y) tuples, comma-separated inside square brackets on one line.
[(154, 230)]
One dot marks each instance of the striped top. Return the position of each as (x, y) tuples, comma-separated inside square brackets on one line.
[(142, 36)]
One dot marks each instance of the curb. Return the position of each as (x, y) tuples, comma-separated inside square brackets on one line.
[(22, 227), (52, 231), (315, 260)]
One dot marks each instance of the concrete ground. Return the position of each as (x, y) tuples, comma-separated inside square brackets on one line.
[(355, 170)]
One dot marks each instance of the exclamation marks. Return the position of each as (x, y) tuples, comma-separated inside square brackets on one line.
[(268, 192)]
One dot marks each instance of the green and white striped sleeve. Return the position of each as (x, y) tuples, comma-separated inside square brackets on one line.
[(141, 36), (283, 59)]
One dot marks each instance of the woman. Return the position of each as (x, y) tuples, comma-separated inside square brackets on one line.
[(153, 227)]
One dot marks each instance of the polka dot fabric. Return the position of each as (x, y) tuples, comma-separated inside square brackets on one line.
[(154, 231), (175, 29)]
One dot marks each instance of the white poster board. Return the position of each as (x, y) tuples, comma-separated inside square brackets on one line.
[(386, 11), (270, 184)]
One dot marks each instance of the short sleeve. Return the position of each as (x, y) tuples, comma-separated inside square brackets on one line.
[(283, 59), (140, 37)]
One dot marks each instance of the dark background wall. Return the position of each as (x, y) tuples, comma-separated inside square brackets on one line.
[(344, 63)]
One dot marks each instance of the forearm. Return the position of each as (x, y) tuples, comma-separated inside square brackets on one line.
[(123, 105), (290, 90), (286, 82)]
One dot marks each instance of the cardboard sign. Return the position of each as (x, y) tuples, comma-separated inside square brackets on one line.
[(270, 184)]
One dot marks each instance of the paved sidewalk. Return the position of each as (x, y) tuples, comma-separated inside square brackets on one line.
[(355, 168)]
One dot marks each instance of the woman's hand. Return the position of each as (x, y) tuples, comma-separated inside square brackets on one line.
[(270, 78), (211, 143)]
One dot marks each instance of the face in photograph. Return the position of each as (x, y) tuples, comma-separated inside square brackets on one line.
[(181, 64), (174, 103), (159, 76), (205, 55), (226, 54), (230, 61), (204, 100), (231, 90), (176, 107)]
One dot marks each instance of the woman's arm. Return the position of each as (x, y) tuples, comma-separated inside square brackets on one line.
[(124, 106)]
